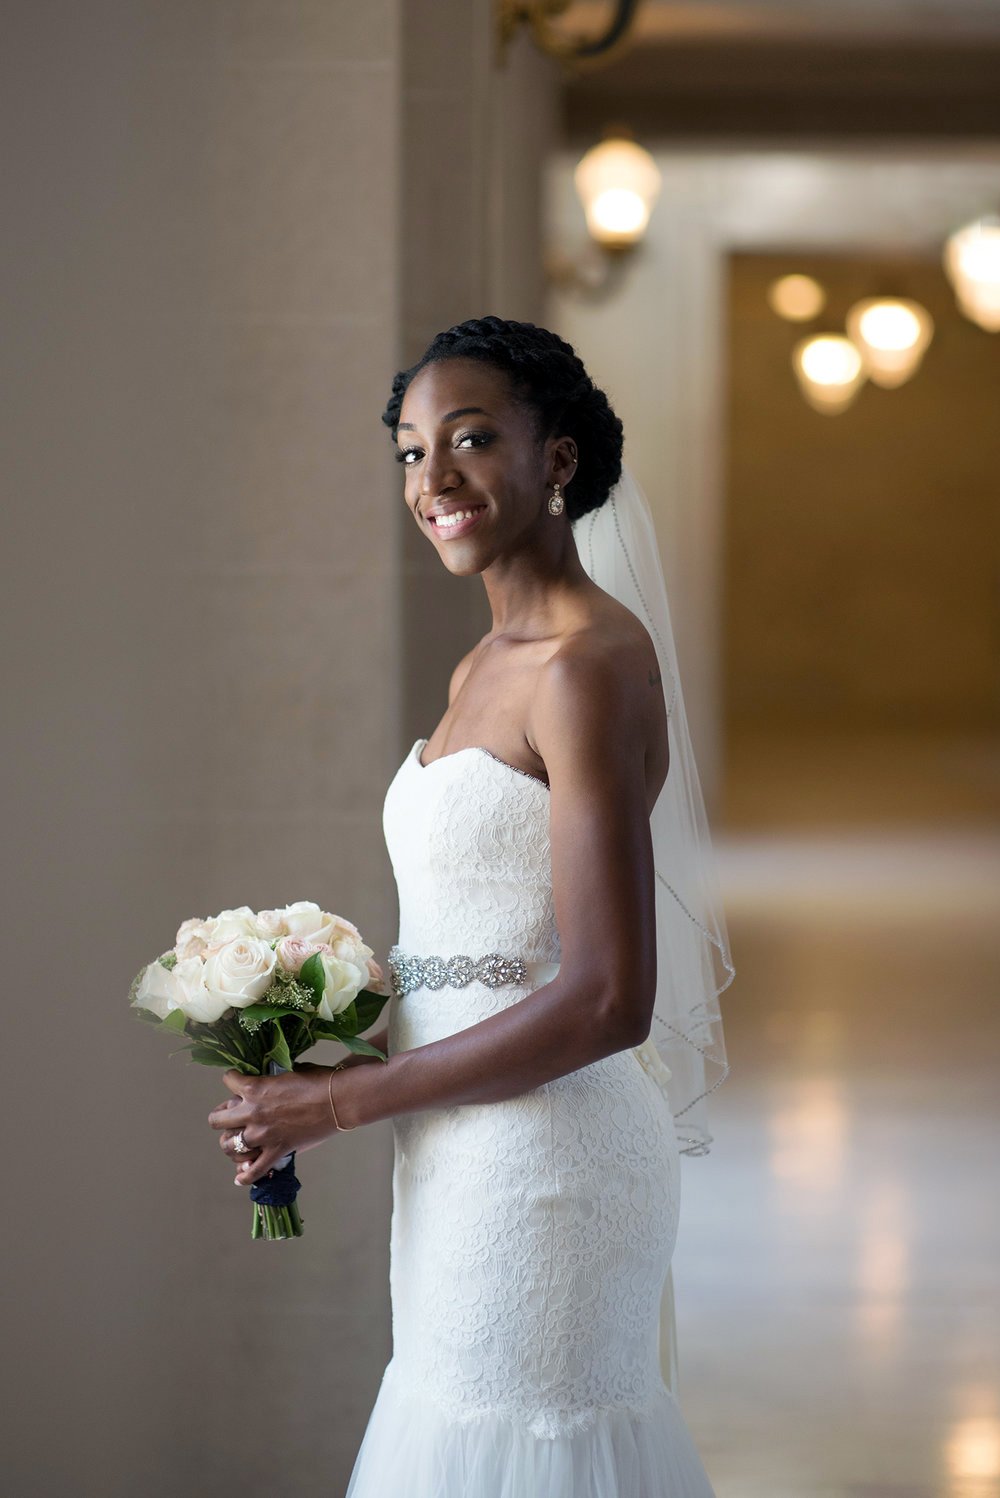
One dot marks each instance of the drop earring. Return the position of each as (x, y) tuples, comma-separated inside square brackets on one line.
[(556, 502)]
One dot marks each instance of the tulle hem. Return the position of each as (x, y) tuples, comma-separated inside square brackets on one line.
[(414, 1449)]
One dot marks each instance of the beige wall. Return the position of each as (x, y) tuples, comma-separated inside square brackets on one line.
[(215, 265), (476, 134)]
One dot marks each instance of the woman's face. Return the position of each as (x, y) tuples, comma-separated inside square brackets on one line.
[(465, 444)]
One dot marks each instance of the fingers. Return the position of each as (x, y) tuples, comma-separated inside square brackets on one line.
[(227, 1143), (253, 1170), (233, 1114), (237, 1114)]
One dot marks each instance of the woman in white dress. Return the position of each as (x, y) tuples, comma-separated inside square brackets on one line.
[(536, 1183)]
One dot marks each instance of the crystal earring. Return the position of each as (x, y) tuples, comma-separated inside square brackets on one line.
[(556, 503)]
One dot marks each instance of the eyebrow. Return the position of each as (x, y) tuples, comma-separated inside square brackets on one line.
[(407, 426)]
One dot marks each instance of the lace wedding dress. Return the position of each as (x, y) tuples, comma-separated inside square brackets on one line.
[(530, 1238)]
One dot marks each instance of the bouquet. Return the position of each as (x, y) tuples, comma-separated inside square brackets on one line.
[(253, 990)]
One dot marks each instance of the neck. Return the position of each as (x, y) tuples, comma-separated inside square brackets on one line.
[(528, 588)]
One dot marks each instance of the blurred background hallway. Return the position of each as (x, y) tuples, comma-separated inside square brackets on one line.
[(227, 225)]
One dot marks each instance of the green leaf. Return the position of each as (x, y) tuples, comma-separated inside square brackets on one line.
[(278, 1050), (347, 1019), (175, 1021), (311, 975), (205, 1056), (146, 1015), (323, 1029), (362, 1047), (256, 1014), (369, 1006)]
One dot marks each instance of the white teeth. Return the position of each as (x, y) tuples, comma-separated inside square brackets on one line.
[(454, 518)]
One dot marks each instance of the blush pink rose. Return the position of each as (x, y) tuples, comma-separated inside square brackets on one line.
[(292, 951)]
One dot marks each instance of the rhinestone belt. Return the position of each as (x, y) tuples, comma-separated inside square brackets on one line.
[(407, 971)]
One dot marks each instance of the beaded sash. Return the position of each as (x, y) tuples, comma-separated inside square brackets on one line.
[(407, 971)]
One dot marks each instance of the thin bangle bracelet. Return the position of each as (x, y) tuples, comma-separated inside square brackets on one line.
[(339, 1127)]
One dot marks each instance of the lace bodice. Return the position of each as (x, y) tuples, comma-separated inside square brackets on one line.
[(468, 836)]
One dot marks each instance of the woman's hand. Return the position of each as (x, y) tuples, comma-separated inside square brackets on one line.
[(277, 1114)]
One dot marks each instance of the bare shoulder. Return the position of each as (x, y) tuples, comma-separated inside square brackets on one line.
[(598, 696)]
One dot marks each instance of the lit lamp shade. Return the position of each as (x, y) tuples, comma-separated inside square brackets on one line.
[(796, 298), (891, 334), (618, 182), (830, 371), (972, 262)]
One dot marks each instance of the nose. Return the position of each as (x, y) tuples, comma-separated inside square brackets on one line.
[(439, 473)]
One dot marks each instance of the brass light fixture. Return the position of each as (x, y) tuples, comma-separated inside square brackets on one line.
[(830, 371), (972, 262), (617, 182), (796, 298), (884, 340), (539, 15), (891, 334)]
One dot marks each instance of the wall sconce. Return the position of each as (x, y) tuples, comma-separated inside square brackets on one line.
[(617, 182), (972, 264), (891, 334), (830, 371), (538, 16)]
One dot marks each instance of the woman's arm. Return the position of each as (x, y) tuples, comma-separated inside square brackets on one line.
[(589, 724)]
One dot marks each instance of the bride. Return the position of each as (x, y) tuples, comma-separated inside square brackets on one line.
[(553, 1027)]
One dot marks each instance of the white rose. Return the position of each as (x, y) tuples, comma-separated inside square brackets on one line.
[(227, 925), (305, 918), (192, 938), (157, 990), (241, 972), (292, 952), (270, 924), (346, 942), (343, 982), (194, 997)]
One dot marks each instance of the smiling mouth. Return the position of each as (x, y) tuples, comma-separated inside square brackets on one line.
[(457, 522)]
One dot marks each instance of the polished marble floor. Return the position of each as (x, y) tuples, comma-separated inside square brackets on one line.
[(837, 1273)]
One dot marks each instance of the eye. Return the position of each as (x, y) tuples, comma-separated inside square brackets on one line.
[(478, 440)]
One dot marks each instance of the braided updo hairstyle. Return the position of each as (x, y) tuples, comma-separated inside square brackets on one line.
[(547, 376)]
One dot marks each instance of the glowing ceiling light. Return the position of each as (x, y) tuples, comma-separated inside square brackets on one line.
[(797, 298), (972, 261), (618, 182), (892, 334), (830, 371), (973, 1448)]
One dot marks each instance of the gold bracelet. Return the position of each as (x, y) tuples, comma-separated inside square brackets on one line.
[(340, 1128)]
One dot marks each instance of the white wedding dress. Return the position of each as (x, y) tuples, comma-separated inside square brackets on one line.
[(530, 1238)]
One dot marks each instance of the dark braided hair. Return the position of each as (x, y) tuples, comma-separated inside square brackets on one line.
[(547, 376)]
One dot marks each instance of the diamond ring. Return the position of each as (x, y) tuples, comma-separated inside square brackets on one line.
[(240, 1146)]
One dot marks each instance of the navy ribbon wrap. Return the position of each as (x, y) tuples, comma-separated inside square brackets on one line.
[(278, 1188)]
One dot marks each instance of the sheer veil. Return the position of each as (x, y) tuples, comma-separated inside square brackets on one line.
[(686, 1050)]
